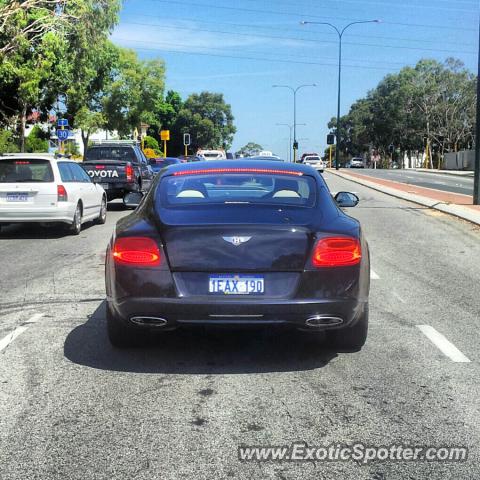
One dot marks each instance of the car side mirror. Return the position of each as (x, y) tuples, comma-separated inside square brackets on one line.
[(132, 199), (346, 199)]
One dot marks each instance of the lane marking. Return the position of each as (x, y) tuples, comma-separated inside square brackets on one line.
[(6, 341), (373, 275), (445, 346), (399, 297)]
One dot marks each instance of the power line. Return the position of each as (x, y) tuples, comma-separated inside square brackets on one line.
[(325, 34), (244, 57), (402, 47), (394, 64), (392, 5), (304, 15)]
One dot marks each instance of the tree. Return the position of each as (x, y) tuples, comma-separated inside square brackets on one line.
[(208, 119), (88, 122), (432, 102), (135, 94), (24, 23), (39, 41), (37, 141), (7, 142), (250, 149), (24, 76)]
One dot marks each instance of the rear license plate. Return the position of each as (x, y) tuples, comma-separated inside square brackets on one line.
[(17, 197), (236, 284), (105, 186)]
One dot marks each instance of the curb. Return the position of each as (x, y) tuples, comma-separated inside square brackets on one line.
[(455, 210), (453, 173)]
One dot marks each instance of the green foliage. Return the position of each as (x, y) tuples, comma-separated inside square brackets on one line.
[(208, 119), (61, 50), (7, 142), (37, 141), (136, 93), (71, 148), (431, 101), (251, 148), (150, 142), (42, 43)]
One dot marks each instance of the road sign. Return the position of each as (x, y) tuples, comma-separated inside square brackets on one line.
[(62, 122), (330, 139), (186, 139), (62, 135), (165, 135)]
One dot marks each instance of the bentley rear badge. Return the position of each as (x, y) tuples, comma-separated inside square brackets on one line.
[(236, 240)]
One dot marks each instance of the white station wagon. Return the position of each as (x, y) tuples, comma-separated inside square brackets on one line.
[(42, 188)]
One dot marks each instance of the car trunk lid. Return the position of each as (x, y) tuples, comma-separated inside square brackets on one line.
[(239, 248)]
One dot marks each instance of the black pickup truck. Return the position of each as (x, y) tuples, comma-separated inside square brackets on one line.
[(119, 167)]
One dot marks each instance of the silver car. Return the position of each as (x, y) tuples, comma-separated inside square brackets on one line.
[(357, 162)]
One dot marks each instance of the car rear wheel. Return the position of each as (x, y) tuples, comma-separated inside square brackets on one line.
[(76, 225), (119, 334), (102, 218), (351, 338)]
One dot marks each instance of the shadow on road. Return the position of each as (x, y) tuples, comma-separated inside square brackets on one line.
[(33, 231), (197, 351)]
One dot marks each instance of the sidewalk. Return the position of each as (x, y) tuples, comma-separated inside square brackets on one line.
[(458, 173), (452, 203)]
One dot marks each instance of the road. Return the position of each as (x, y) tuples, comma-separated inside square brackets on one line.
[(438, 181), (72, 407)]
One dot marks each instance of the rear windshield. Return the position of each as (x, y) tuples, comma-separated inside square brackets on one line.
[(234, 188), (25, 170), (125, 154)]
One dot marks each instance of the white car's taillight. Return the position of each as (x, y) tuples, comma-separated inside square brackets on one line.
[(61, 194)]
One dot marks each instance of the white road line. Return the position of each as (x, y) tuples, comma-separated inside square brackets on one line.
[(6, 341), (399, 297), (373, 275), (445, 346)]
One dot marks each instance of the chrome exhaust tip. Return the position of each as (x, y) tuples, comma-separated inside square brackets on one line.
[(149, 321), (323, 321)]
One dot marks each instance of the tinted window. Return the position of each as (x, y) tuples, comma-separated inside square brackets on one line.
[(25, 170), (249, 188), (125, 154), (65, 172), (79, 173)]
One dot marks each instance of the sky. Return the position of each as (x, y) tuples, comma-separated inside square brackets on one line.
[(241, 48)]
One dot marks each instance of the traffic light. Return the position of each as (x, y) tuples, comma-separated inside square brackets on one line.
[(295, 145), (330, 139)]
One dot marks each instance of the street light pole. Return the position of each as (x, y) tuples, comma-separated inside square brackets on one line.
[(294, 91), (290, 127), (340, 38)]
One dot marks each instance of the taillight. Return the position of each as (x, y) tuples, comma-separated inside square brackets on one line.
[(136, 251), (337, 252), (129, 172), (61, 194)]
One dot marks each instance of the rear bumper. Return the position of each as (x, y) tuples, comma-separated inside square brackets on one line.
[(62, 213), (180, 312), (118, 190)]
